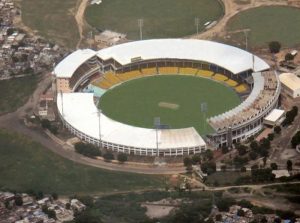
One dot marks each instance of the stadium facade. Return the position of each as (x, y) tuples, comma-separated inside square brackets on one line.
[(220, 62)]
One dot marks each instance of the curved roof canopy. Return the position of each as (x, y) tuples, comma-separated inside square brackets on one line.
[(231, 58), (86, 119)]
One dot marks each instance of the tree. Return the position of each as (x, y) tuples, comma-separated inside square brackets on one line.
[(289, 165), (187, 161), (265, 160), (223, 168), (218, 217), (18, 200), (87, 149), (208, 154), (189, 169), (68, 206), (288, 57), (295, 140), (240, 213), (87, 217), (277, 129), (274, 166), (274, 47), (253, 155), (208, 167), (254, 146), (108, 156), (243, 169), (242, 149), (224, 203), (54, 196), (265, 143), (45, 124), (196, 159), (122, 157), (270, 136), (225, 149)]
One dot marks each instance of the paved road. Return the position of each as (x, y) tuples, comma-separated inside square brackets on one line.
[(14, 122)]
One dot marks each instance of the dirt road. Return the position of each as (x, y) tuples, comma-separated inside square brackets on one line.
[(79, 17)]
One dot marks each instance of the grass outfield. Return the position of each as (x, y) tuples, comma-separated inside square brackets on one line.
[(270, 23), (15, 92), (26, 165), (52, 19), (162, 18), (137, 102)]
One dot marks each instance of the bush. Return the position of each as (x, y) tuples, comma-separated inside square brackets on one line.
[(86, 149), (108, 156), (243, 169), (122, 157)]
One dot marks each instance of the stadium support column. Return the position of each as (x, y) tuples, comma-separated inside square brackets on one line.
[(229, 136)]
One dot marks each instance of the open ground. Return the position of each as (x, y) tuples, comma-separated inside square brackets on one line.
[(162, 18)]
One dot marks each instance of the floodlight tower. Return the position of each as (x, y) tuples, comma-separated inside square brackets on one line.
[(99, 116), (140, 25), (203, 108), (157, 125), (197, 21)]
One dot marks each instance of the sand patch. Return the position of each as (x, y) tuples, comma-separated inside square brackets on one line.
[(168, 105)]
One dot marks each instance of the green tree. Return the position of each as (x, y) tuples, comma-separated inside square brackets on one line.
[(289, 165), (253, 155), (187, 161), (122, 157), (46, 124), (54, 196), (87, 149), (196, 159), (223, 168), (273, 166), (240, 213), (295, 140), (288, 57), (18, 200), (108, 156), (274, 47), (270, 136), (277, 129), (254, 146)]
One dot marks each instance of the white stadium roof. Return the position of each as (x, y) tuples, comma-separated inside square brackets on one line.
[(69, 65), (81, 113), (228, 57)]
